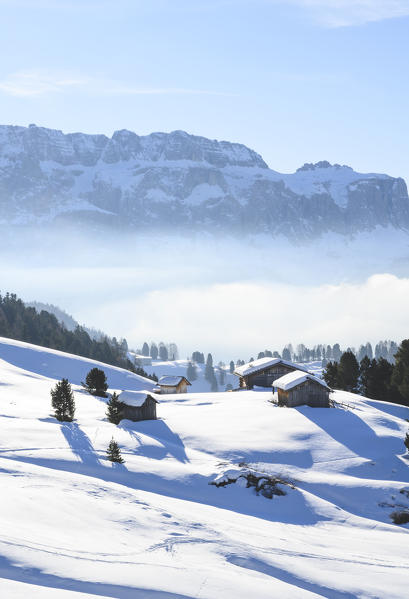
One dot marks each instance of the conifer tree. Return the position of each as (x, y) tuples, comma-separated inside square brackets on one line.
[(114, 453), (400, 376), (365, 377), (114, 408), (163, 352), (62, 401), (286, 354), (336, 352), (96, 382), (145, 349), (406, 441), (222, 376), (213, 383), (331, 375), (209, 370), (348, 372), (191, 373), (154, 351), (231, 367)]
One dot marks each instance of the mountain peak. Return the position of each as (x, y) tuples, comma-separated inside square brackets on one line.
[(322, 164)]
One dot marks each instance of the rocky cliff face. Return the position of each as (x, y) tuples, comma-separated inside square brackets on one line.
[(178, 181)]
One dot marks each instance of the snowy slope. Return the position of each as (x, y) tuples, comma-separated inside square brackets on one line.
[(72, 525)]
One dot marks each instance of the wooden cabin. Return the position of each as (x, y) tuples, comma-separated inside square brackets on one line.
[(138, 405), (298, 388), (141, 360), (262, 372), (173, 384)]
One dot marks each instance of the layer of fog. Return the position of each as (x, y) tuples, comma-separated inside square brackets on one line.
[(231, 297)]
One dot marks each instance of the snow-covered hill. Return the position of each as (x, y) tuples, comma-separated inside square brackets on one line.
[(72, 525), (182, 182)]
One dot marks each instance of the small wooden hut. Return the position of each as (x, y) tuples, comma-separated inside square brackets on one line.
[(299, 388), (262, 372), (138, 405), (173, 384)]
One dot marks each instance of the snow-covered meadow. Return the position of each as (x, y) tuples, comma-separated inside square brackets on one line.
[(73, 525)]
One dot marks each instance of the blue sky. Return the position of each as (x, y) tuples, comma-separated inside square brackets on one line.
[(297, 80)]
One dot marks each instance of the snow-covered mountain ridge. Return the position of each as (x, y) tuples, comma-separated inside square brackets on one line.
[(178, 181)]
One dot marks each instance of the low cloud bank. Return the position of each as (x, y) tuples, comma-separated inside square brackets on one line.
[(233, 298), (236, 320)]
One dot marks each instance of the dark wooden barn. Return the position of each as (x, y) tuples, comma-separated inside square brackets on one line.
[(262, 372), (138, 405), (299, 388)]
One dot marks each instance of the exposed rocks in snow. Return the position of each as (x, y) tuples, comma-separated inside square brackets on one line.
[(400, 516), (263, 484)]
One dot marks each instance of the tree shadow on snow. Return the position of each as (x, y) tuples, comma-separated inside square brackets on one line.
[(79, 443), (170, 443), (256, 565), (347, 428), (389, 408), (37, 577)]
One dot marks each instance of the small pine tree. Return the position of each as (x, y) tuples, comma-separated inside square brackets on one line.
[(114, 407), (96, 382), (191, 372), (163, 352), (213, 383), (406, 441), (331, 375), (154, 351), (114, 453), (231, 367), (222, 376), (62, 401)]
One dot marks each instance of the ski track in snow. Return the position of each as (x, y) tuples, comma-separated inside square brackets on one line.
[(74, 526)]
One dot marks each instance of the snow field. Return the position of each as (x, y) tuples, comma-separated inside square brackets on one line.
[(74, 525)]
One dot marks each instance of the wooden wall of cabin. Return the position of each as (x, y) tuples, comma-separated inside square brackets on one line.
[(308, 393), (164, 390), (265, 378), (146, 412)]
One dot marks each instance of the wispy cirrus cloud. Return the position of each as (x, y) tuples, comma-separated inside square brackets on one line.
[(39, 82), (344, 13)]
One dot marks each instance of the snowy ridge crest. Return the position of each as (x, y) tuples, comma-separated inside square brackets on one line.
[(176, 181)]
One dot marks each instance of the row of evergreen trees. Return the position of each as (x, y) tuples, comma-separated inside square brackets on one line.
[(374, 378), (161, 350), (24, 323), (383, 349)]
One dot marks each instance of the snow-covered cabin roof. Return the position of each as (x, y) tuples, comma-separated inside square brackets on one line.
[(263, 363), (171, 381), (136, 399), (293, 379)]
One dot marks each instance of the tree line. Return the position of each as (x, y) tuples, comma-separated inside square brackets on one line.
[(159, 350), (374, 378), (24, 323), (300, 353)]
